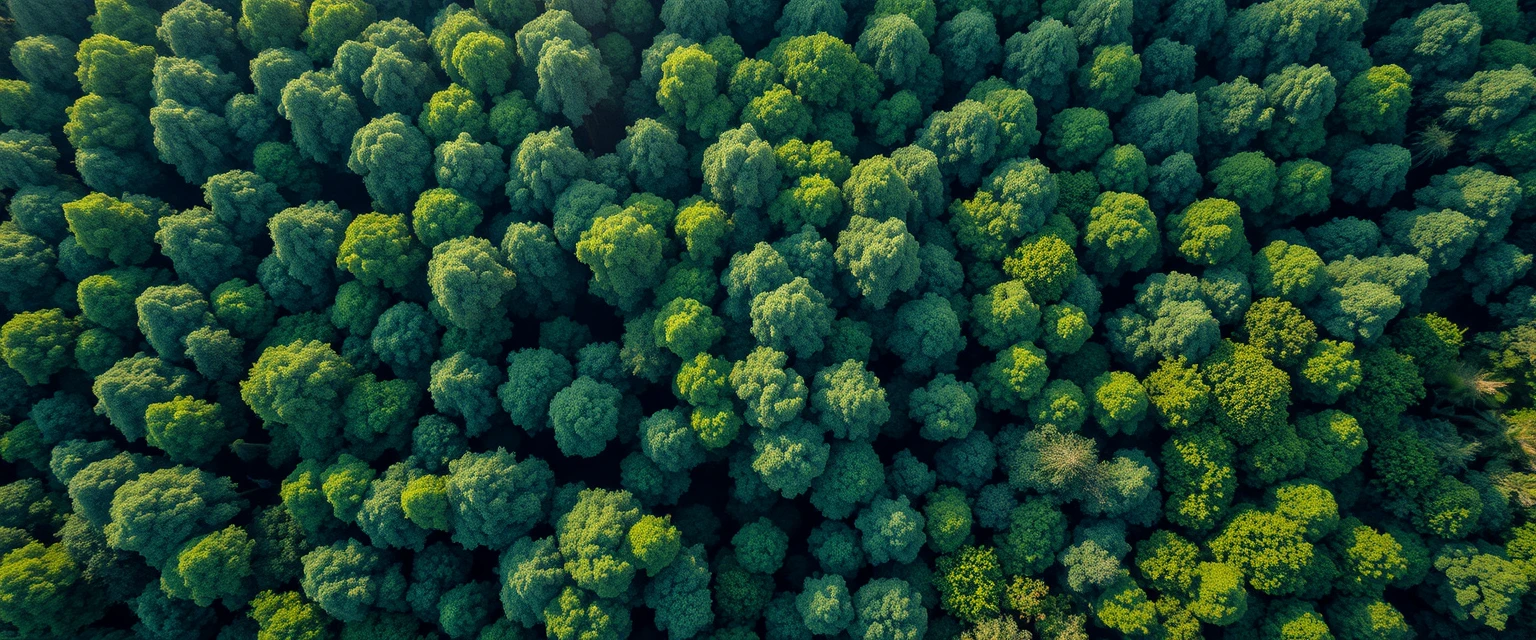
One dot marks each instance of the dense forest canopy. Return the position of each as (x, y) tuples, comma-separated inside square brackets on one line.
[(767, 320)]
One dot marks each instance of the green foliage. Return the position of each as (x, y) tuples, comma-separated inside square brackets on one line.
[(156, 512), (213, 566), (1121, 234), (189, 430), (1010, 293), (495, 499), (1480, 586), (888, 608), (970, 583), (38, 344), (1268, 548)]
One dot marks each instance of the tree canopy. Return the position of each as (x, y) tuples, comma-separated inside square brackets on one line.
[(767, 319)]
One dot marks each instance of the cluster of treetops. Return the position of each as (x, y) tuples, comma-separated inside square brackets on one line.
[(750, 320)]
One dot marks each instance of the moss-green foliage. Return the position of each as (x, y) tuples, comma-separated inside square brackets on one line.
[(885, 319)]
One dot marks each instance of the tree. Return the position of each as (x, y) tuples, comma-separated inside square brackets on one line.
[(689, 91), (496, 499), (789, 458), (113, 67), (680, 594), (1208, 232), (853, 476), (1267, 547), (301, 386), (695, 20), (1121, 234), (1040, 59), (393, 158), (1480, 586), (876, 189), (469, 280), (201, 249), (1251, 393), (1122, 168), (702, 227), (288, 614), (825, 605), (107, 299), (1021, 194), (1489, 98), (794, 317), (482, 62), (1480, 194), (215, 353), (332, 22), (38, 344), (167, 314), (888, 608), (927, 334), (1376, 100), (1364, 617), (881, 257), (593, 540), (378, 249), (156, 512), (211, 567), (740, 170), (270, 24), (1045, 265), (1438, 41), (946, 408), (324, 116), (1371, 175), (1108, 81), (970, 583), (464, 385), (760, 546), (347, 577), (443, 214), (810, 17), (1232, 114), (1301, 95), (825, 72), (532, 574), (1246, 178), (40, 590), (579, 207), (533, 377), (625, 255), (242, 202), (891, 530), (1201, 479), (101, 121), (1280, 331), (189, 430), (895, 47), (571, 79), (774, 395), (29, 159), (576, 614), (1292, 272), (106, 227), (654, 542), (126, 389), (646, 151), (585, 416), (964, 139), (453, 111), (195, 29)]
